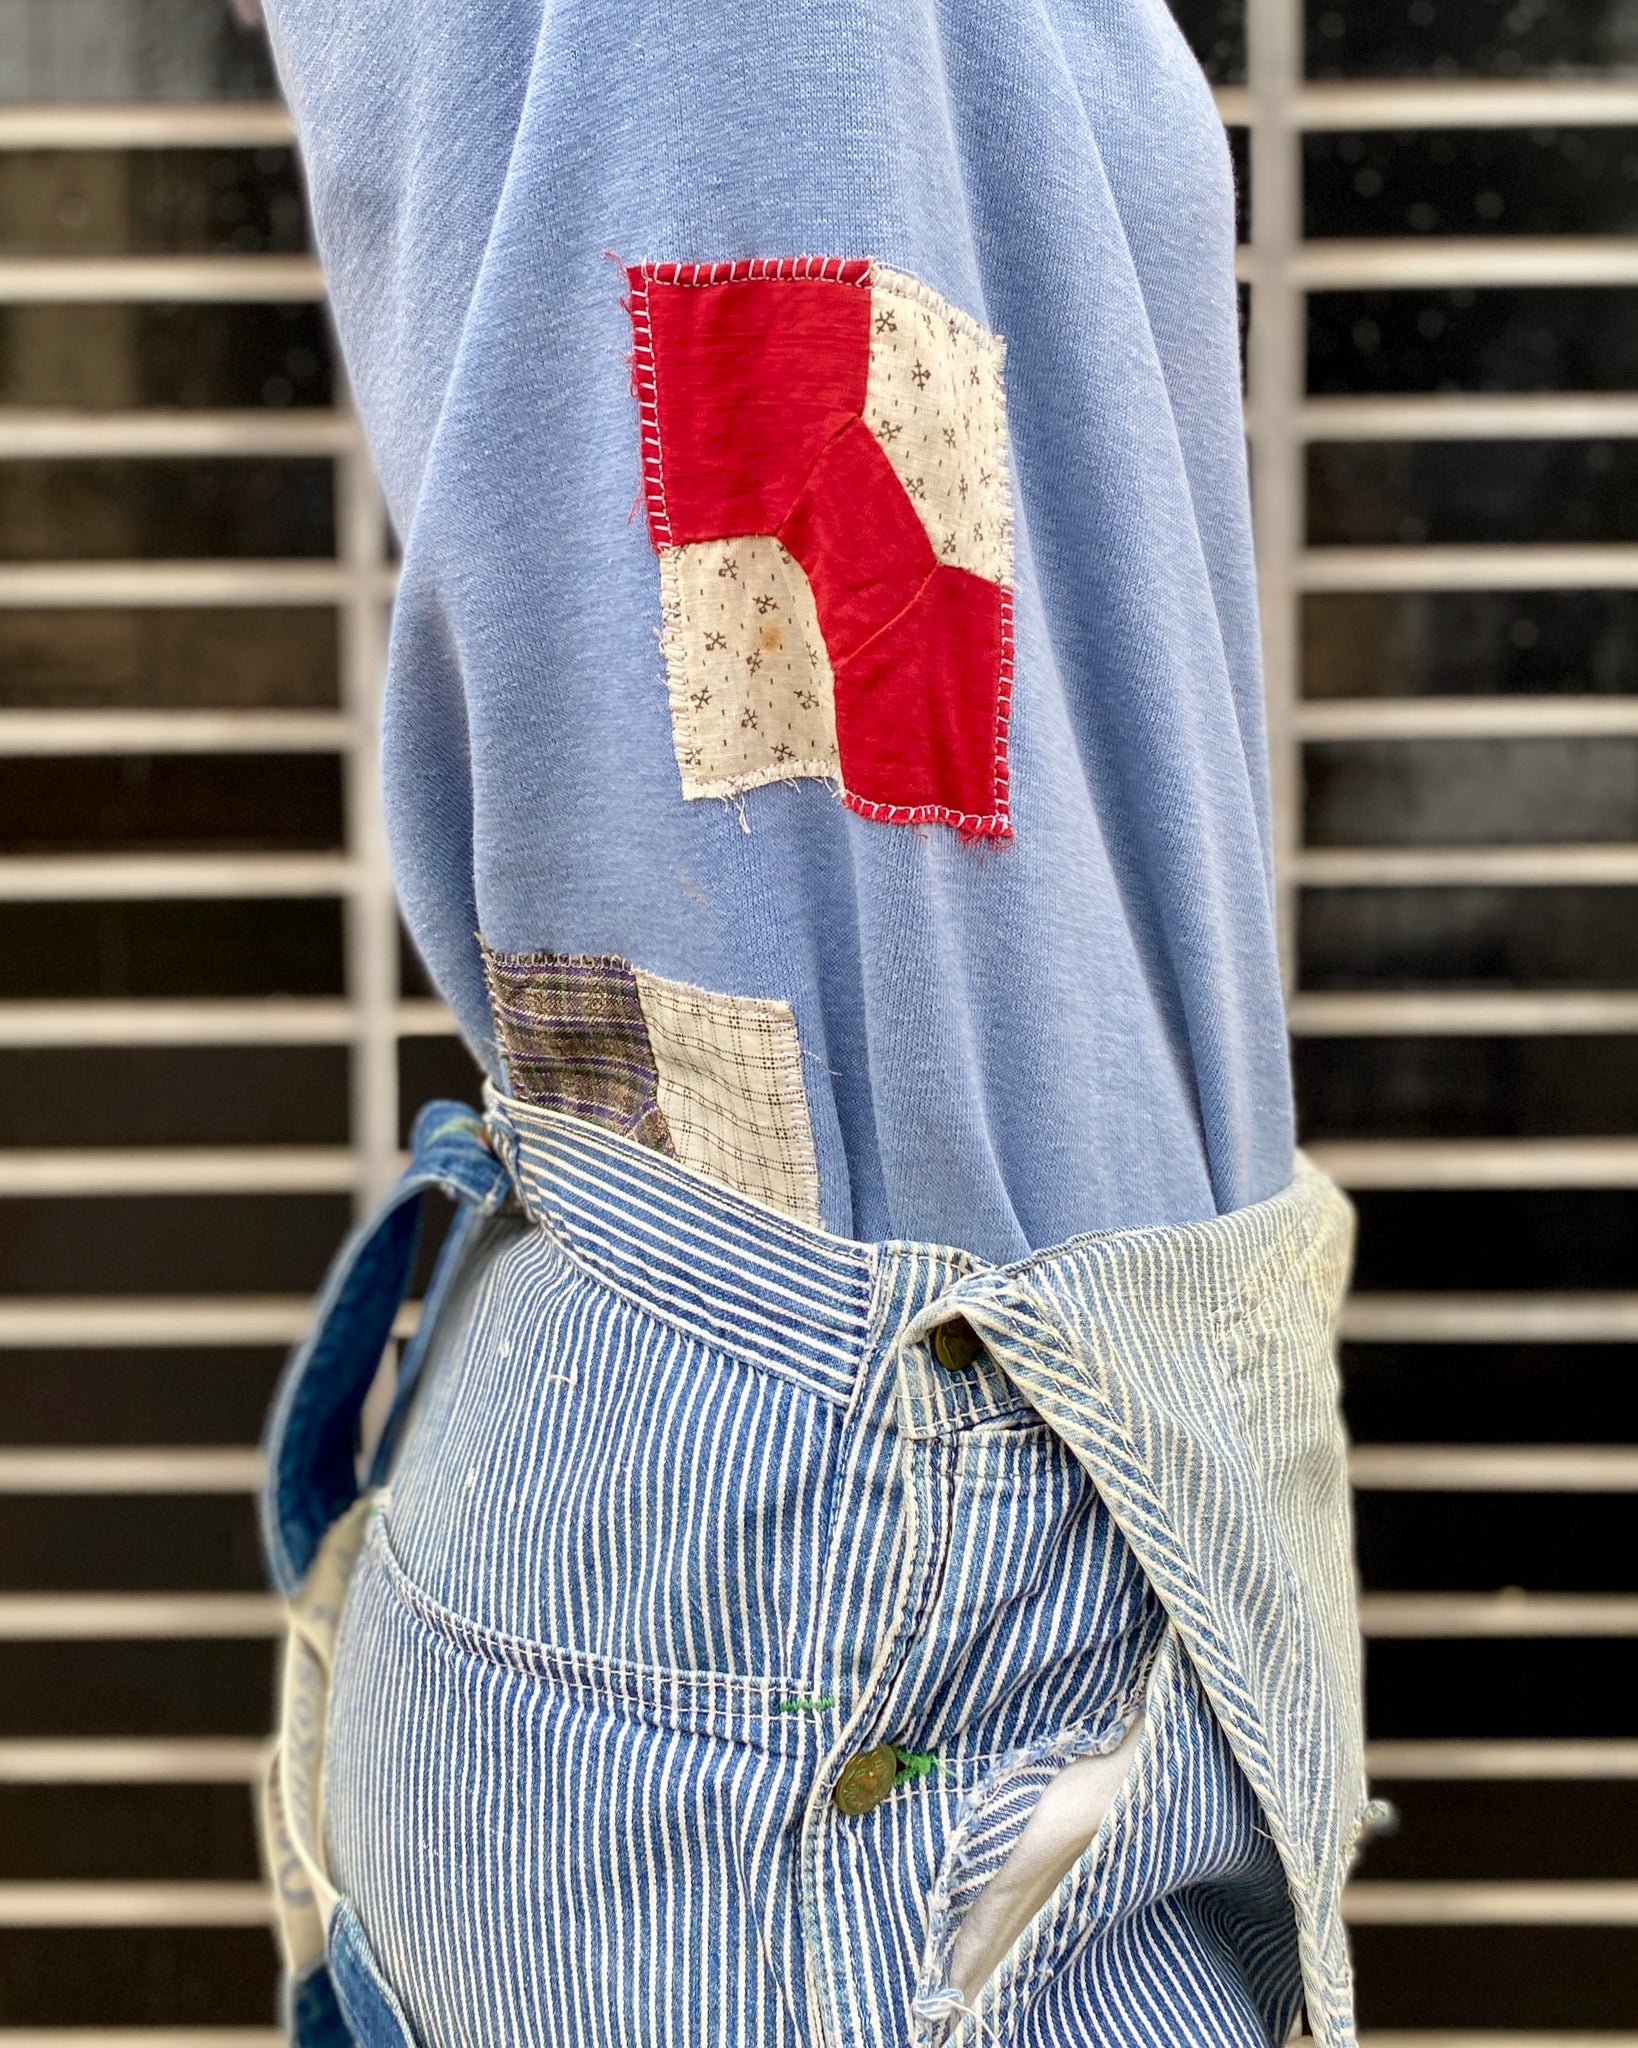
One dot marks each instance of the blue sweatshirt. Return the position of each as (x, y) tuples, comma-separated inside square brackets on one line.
[(826, 649)]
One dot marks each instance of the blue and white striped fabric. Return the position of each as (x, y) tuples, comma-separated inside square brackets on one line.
[(1191, 1371), (685, 1516)]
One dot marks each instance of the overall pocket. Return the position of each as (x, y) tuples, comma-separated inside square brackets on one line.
[(393, 1609), (581, 1476), (1011, 1859), (1066, 1798), (526, 1829), (1169, 1915)]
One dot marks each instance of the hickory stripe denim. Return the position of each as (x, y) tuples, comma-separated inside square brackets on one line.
[(678, 1514)]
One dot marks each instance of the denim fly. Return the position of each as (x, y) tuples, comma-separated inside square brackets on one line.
[(679, 1522)]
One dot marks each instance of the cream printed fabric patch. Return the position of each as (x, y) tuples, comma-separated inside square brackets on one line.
[(933, 400), (752, 698), (712, 1080), (824, 451)]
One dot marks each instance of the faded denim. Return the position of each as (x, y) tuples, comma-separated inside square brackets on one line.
[(678, 1514)]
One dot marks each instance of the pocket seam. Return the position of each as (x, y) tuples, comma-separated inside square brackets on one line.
[(646, 1689), (1068, 1747), (1036, 1948)]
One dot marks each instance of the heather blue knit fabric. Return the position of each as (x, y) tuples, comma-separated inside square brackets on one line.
[(1005, 1044)]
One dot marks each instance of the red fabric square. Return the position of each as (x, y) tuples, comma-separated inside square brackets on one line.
[(857, 537), (750, 378), (751, 381), (920, 709)]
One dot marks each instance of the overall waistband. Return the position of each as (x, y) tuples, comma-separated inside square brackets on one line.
[(694, 1252), (698, 1253)]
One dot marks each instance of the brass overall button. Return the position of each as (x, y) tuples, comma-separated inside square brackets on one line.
[(956, 1345), (866, 1779)]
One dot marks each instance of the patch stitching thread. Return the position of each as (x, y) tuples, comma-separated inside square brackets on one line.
[(645, 383)]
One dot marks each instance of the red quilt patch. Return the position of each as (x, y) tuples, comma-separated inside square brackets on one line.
[(825, 472)]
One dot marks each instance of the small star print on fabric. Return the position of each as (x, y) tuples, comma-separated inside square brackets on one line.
[(825, 471), (745, 650)]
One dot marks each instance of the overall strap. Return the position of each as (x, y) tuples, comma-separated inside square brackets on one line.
[(312, 1430)]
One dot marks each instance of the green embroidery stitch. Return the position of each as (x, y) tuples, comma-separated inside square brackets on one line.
[(803, 1705), (914, 1763)]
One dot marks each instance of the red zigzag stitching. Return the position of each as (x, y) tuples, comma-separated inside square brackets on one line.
[(751, 406)]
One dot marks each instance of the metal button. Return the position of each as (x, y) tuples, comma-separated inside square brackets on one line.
[(956, 1345), (866, 1779)]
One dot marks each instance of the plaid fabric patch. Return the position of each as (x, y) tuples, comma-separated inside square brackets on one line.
[(571, 1030), (712, 1080)]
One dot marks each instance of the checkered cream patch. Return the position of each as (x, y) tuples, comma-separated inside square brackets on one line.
[(731, 1088), (712, 1080)]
